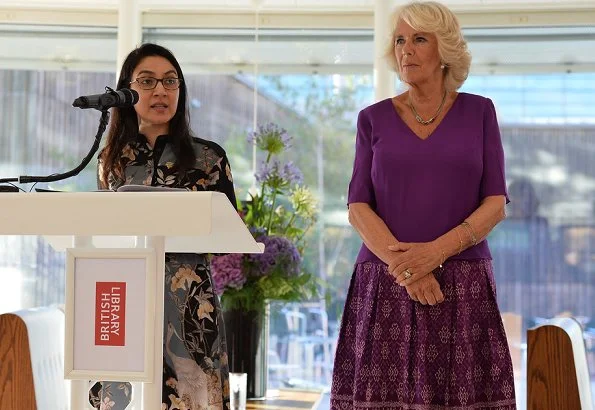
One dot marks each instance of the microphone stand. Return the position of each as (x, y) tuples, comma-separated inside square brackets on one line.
[(57, 177)]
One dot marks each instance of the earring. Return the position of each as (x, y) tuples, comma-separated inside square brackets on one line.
[(442, 66)]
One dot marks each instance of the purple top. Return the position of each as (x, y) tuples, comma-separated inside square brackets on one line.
[(423, 188)]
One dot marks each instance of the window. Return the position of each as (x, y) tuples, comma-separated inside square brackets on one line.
[(43, 69)]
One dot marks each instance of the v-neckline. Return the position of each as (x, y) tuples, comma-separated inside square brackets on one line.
[(413, 133)]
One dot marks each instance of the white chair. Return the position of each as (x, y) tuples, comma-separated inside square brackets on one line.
[(513, 325)]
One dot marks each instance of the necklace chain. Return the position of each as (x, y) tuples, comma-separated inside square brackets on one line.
[(431, 120)]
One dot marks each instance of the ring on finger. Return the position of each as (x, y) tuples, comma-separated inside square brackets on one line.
[(407, 273)]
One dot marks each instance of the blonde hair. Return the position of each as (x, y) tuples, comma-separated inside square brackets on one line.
[(435, 18)]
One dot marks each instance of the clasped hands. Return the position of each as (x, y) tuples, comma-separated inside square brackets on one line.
[(412, 266)]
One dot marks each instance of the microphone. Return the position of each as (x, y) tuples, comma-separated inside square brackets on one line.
[(111, 98)]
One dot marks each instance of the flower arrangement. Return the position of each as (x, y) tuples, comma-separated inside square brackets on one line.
[(279, 212)]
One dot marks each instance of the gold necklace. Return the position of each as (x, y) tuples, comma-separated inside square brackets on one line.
[(418, 117)]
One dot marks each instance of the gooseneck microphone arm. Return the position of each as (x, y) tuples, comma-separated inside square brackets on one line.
[(58, 177), (123, 97)]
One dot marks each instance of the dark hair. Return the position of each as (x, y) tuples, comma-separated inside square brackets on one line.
[(124, 123), (523, 198)]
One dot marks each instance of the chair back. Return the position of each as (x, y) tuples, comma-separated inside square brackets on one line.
[(557, 373), (32, 360)]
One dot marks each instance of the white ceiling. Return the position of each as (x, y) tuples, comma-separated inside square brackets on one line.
[(493, 50), (283, 51), (338, 5), (546, 47)]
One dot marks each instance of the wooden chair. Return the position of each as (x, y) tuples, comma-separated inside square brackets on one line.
[(32, 360), (557, 373)]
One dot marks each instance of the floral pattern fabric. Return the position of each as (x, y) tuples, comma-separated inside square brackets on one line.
[(195, 366), (397, 354)]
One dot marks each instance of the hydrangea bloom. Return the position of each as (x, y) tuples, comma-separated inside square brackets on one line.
[(226, 272), (279, 254)]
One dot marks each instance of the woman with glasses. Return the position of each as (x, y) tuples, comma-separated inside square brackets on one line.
[(152, 144)]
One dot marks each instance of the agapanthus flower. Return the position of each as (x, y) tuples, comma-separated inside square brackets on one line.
[(276, 176), (292, 174), (270, 138), (266, 171), (277, 204)]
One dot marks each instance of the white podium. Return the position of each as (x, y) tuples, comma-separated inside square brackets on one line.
[(155, 222)]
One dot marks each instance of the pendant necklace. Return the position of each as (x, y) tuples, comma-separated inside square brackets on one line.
[(431, 120)]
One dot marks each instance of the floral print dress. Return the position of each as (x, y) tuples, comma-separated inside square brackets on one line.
[(195, 367)]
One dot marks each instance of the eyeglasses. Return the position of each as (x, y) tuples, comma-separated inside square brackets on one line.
[(149, 83)]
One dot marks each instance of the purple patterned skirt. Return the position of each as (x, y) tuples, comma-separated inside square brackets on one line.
[(394, 353)]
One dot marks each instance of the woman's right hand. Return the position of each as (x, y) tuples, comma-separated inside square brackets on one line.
[(426, 290)]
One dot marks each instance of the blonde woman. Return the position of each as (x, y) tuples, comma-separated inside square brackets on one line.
[(421, 327)]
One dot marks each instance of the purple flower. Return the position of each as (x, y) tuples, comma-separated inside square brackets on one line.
[(271, 138), (257, 231), (266, 171), (280, 255), (292, 174), (226, 272), (276, 176)]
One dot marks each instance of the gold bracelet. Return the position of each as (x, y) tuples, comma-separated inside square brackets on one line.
[(474, 237), (470, 230), (473, 231), (460, 241), (469, 233), (443, 259)]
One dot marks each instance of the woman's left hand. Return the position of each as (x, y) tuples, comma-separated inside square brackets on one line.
[(416, 261)]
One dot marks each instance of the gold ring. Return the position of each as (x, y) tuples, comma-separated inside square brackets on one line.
[(407, 273)]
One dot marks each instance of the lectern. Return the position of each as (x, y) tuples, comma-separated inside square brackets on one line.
[(125, 225)]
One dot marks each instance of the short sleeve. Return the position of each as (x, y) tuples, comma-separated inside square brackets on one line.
[(493, 180), (225, 181), (360, 186)]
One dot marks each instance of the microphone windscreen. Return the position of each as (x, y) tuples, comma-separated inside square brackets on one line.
[(131, 96)]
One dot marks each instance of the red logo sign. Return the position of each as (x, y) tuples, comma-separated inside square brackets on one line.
[(110, 313)]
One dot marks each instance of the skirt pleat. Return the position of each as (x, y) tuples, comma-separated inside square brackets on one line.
[(394, 353)]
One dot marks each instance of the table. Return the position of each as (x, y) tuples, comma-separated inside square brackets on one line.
[(287, 400)]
